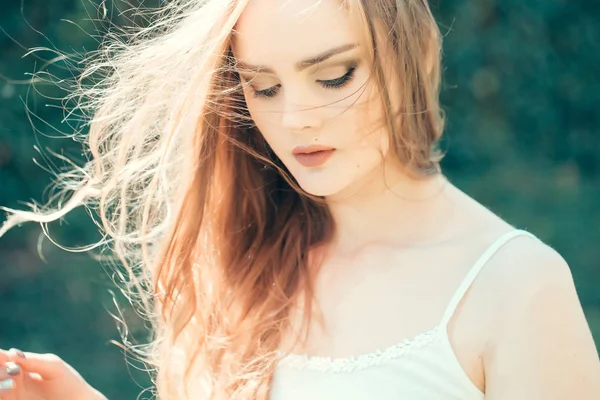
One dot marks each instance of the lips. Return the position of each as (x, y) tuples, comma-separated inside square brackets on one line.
[(311, 149), (313, 156)]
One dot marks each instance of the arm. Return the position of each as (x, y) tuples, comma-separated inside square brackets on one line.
[(542, 347)]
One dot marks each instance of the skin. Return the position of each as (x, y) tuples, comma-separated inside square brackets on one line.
[(395, 233), (43, 377), (399, 242), (361, 181)]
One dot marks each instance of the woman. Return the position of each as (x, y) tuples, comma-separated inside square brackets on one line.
[(272, 168)]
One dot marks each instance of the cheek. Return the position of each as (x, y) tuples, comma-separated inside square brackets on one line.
[(252, 106), (371, 121), (260, 118)]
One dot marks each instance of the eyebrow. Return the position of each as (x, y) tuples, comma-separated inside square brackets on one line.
[(301, 65)]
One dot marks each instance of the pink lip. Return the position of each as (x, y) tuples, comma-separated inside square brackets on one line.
[(310, 149), (312, 156)]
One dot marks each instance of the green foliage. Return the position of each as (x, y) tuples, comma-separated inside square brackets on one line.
[(520, 88)]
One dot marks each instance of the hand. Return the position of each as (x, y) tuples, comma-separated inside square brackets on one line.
[(32, 376)]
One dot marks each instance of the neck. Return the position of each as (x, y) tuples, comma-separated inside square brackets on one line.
[(389, 208)]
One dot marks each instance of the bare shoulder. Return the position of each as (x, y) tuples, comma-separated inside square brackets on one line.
[(526, 265), (539, 344), (521, 266), (523, 269), (531, 334)]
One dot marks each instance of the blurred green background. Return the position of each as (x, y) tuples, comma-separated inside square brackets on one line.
[(521, 90)]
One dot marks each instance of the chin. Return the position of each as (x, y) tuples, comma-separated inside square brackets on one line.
[(321, 187)]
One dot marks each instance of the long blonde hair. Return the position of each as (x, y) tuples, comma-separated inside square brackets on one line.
[(211, 229)]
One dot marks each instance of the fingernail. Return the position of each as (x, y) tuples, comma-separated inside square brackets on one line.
[(19, 352), (12, 369), (7, 384)]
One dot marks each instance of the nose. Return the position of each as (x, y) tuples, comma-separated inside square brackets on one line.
[(298, 117)]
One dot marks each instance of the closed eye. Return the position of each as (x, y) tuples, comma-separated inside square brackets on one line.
[(340, 82), (270, 92), (336, 83)]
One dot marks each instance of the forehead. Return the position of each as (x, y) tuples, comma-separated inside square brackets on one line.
[(272, 31)]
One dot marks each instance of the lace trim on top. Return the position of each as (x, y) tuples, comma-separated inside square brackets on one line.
[(362, 361)]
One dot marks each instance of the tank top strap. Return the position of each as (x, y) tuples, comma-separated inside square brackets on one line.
[(474, 271)]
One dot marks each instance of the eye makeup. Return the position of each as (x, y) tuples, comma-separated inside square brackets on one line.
[(335, 83)]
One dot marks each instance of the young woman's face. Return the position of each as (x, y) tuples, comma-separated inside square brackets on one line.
[(306, 82)]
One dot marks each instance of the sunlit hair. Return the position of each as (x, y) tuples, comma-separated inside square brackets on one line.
[(211, 228)]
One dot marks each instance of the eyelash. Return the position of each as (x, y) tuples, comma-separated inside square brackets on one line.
[(336, 83)]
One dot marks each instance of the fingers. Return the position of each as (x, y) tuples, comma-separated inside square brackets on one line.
[(41, 366), (4, 356), (47, 366), (14, 377), (9, 370), (10, 355), (11, 377), (6, 385)]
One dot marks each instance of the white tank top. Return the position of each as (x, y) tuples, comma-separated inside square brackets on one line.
[(424, 367)]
